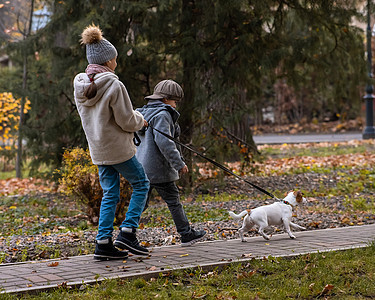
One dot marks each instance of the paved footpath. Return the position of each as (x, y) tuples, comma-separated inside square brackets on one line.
[(78, 270)]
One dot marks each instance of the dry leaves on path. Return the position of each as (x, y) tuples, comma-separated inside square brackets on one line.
[(279, 166), (15, 186)]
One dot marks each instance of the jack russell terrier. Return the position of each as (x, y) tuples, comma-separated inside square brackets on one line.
[(273, 214)]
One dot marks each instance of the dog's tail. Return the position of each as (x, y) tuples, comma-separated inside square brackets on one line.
[(239, 216)]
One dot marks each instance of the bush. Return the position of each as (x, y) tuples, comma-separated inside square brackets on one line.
[(80, 179)]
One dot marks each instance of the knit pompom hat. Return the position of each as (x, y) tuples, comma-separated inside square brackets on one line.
[(98, 49)]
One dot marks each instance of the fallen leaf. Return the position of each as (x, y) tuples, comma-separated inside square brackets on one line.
[(246, 255), (182, 255), (53, 264), (63, 284), (345, 220), (327, 289)]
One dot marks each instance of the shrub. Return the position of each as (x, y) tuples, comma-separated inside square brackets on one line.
[(80, 179)]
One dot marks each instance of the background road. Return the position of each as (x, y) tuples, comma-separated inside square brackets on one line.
[(306, 138)]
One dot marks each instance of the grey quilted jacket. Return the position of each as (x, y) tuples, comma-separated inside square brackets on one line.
[(160, 156)]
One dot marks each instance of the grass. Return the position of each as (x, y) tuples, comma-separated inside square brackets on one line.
[(7, 169), (7, 174), (196, 212), (340, 275), (160, 216), (219, 197), (32, 215)]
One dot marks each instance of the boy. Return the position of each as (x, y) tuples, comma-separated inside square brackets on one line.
[(160, 157)]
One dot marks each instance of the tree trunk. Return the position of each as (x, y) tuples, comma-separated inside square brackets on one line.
[(26, 34), (21, 121), (186, 106)]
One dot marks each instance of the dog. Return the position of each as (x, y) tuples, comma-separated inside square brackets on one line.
[(278, 213)]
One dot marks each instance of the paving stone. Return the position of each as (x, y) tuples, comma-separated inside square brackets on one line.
[(31, 276)]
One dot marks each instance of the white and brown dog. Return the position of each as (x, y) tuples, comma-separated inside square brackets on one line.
[(273, 214)]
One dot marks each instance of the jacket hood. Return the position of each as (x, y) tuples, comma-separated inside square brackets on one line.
[(102, 80), (154, 107)]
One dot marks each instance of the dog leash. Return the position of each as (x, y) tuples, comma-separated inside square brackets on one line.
[(214, 162)]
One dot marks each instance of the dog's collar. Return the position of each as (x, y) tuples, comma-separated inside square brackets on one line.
[(286, 202)]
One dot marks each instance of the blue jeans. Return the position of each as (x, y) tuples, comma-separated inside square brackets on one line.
[(109, 176)]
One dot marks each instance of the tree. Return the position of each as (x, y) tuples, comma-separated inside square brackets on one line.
[(9, 123), (24, 18), (229, 56)]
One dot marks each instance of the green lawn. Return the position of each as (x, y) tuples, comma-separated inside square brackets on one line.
[(340, 275)]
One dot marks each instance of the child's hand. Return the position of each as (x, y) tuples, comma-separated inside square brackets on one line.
[(145, 124), (184, 170)]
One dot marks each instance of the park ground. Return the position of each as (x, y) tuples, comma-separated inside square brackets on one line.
[(336, 178)]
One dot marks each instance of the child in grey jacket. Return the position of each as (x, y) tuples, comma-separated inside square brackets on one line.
[(160, 157)]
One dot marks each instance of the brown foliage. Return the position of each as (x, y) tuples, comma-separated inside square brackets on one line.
[(79, 178)]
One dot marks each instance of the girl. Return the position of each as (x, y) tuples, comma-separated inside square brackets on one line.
[(109, 123)]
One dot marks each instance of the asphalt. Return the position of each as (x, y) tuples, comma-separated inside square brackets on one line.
[(76, 271), (306, 138)]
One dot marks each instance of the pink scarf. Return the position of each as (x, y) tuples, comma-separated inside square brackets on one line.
[(95, 69)]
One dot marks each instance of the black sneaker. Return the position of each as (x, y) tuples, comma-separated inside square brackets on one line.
[(106, 251), (128, 240), (192, 237)]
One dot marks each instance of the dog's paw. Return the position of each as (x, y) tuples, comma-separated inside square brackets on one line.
[(292, 236), (243, 241)]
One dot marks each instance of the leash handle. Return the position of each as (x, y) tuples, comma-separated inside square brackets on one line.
[(213, 162), (136, 139)]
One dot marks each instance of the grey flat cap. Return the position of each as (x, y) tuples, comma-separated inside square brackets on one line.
[(168, 89)]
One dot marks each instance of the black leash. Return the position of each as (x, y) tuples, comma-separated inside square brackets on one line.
[(213, 162)]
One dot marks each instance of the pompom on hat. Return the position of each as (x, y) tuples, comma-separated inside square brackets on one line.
[(98, 49), (168, 89)]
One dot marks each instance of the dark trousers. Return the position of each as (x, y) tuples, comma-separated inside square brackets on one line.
[(168, 191)]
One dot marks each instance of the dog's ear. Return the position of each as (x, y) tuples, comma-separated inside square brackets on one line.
[(291, 191), (299, 196)]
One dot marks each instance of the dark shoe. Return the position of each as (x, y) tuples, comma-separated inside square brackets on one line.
[(128, 240), (108, 252), (192, 237)]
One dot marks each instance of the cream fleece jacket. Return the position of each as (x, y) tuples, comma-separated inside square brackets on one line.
[(108, 119)]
